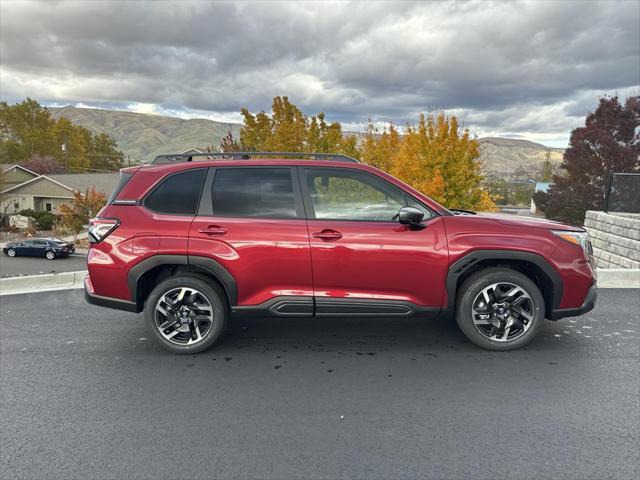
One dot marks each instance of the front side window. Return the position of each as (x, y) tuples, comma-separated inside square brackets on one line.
[(253, 193), (178, 194), (350, 195)]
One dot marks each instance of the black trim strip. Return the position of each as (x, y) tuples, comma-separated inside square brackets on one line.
[(281, 306), (587, 306), (362, 307), (109, 302)]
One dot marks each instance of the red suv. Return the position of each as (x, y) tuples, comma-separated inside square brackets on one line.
[(194, 243)]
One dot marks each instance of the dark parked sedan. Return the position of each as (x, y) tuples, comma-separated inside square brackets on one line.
[(50, 248)]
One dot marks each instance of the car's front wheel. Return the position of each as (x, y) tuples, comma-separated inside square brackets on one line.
[(500, 309), (186, 314), (11, 252), (50, 255)]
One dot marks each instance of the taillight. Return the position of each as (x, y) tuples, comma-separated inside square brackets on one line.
[(100, 228)]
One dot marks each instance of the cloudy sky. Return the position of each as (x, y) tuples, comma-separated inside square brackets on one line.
[(530, 70)]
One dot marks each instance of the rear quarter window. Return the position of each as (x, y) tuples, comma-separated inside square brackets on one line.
[(177, 194), (122, 182)]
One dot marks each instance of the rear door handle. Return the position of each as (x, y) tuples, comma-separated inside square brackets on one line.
[(327, 234), (213, 230)]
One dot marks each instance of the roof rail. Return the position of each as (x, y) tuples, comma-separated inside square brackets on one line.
[(188, 157)]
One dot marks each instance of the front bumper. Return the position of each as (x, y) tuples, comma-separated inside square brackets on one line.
[(108, 302), (588, 305)]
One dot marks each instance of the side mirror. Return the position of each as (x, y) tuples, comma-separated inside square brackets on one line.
[(410, 216)]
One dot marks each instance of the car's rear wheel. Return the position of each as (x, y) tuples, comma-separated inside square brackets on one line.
[(500, 309), (50, 255), (11, 252), (186, 314)]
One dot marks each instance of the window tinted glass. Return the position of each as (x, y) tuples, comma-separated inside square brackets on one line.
[(178, 193), (35, 243), (253, 192), (352, 196), (122, 182), (414, 203)]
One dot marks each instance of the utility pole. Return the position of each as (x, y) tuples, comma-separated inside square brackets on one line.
[(65, 150)]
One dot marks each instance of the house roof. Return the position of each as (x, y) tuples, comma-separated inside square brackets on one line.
[(5, 167), (104, 182), (38, 179)]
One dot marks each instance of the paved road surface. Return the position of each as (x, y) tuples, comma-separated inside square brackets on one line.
[(11, 267), (86, 395)]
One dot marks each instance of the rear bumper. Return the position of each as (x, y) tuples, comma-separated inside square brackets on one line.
[(108, 302), (587, 306)]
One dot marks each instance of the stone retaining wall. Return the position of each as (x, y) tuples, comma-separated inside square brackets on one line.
[(615, 238)]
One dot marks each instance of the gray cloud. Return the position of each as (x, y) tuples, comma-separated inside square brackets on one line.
[(512, 68)]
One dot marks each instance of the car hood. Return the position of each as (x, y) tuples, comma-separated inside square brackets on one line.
[(523, 221)]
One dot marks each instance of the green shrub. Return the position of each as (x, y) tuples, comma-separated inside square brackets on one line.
[(28, 213), (45, 220)]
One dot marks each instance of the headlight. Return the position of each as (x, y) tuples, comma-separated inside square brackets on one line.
[(580, 239)]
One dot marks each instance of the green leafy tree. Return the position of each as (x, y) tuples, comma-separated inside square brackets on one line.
[(608, 143), (28, 131)]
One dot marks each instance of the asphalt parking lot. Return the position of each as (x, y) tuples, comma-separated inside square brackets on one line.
[(86, 394), (13, 267)]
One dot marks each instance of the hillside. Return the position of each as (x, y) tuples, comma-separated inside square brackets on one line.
[(504, 156), (144, 136)]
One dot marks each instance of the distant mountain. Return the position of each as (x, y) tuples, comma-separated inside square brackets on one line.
[(507, 157), (144, 136)]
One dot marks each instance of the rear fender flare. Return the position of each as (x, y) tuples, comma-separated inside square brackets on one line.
[(210, 265)]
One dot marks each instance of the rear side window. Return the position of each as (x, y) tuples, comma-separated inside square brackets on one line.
[(253, 193), (178, 193)]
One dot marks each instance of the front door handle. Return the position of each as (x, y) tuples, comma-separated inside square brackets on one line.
[(327, 234), (213, 230)]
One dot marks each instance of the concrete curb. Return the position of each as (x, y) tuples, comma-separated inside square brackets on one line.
[(619, 278), (607, 278), (42, 283)]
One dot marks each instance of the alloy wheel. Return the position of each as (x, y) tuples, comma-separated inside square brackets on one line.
[(184, 316), (50, 255), (11, 252), (502, 312)]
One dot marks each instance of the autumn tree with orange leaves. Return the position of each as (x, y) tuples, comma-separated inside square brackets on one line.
[(435, 156), (83, 207)]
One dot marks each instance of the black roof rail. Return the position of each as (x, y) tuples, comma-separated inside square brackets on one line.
[(188, 157)]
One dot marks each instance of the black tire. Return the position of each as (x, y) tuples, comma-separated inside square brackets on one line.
[(213, 295), (50, 255), (11, 252), (475, 284)]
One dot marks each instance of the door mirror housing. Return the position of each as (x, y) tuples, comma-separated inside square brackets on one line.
[(410, 216)]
